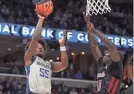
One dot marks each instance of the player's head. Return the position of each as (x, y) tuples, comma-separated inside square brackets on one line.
[(107, 59), (41, 48)]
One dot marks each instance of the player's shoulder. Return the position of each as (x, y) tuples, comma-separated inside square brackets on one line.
[(31, 61)]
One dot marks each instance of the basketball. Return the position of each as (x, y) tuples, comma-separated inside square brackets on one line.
[(44, 9)]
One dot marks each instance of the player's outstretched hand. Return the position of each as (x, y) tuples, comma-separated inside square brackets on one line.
[(62, 41), (40, 17), (89, 24), (86, 18)]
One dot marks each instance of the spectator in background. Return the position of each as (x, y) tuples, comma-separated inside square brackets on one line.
[(17, 86), (65, 89), (2, 19), (20, 17), (73, 91), (5, 10), (92, 89), (7, 87), (82, 91), (68, 74), (78, 75), (15, 70), (18, 89), (1, 89), (11, 19)]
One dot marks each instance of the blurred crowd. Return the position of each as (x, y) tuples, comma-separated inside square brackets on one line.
[(14, 65), (69, 15), (17, 86)]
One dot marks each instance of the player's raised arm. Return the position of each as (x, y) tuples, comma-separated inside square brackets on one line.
[(92, 41), (94, 47), (113, 52), (59, 66), (33, 44)]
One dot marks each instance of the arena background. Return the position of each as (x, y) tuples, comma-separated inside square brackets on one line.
[(18, 20)]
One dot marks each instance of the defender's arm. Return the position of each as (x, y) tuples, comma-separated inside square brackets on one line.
[(91, 37), (94, 46), (113, 52)]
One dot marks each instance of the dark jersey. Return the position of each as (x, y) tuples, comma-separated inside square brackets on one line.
[(109, 77)]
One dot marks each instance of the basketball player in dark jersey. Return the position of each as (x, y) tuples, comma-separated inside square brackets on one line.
[(128, 73), (110, 68)]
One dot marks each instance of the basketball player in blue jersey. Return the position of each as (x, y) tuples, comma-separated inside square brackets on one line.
[(110, 67), (38, 69)]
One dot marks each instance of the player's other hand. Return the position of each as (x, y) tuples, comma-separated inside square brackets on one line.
[(40, 17), (62, 40), (86, 18), (89, 24)]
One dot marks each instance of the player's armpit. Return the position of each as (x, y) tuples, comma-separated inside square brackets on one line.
[(114, 54), (58, 66)]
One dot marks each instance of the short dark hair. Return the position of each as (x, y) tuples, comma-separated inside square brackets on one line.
[(41, 41)]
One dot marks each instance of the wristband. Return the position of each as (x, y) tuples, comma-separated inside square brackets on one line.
[(63, 48)]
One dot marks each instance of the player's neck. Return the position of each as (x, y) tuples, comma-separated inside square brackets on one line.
[(42, 57)]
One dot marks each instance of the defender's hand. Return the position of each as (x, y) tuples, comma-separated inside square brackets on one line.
[(89, 24), (62, 41), (86, 18)]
